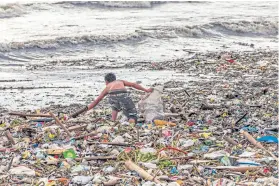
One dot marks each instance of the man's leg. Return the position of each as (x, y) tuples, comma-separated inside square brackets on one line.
[(129, 109), (114, 115)]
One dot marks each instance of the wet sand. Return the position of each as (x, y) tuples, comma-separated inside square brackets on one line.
[(65, 83)]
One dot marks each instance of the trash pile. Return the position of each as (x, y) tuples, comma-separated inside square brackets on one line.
[(221, 130)]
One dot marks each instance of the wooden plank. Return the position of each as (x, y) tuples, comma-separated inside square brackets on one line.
[(29, 115), (97, 158), (60, 124)]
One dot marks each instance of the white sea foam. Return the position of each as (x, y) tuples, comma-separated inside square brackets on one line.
[(215, 29), (11, 10)]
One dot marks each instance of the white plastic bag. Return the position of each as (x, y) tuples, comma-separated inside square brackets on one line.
[(82, 179), (151, 106), (21, 170), (216, 154)]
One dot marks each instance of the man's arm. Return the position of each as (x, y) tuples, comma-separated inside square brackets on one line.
[(92, 105), (99, 98), (137, 86)]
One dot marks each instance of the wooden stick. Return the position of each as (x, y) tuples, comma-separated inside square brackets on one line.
[(187, 93), (77, 127), (10, 137), (179, 158), (238, 169), (10, 164), (97, 158), (240, 119), (89, 134), (60, 124), (138, 135), (202, 161), (257, 144), (8, 149), (133, 167), (230, 140), (110, 143), (251, 139), (29, 115), (171, 115)]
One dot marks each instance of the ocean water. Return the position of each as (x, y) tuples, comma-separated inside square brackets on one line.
[(53, 42)]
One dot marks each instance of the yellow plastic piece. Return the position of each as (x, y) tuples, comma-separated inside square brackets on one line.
[(163, 122), (205, 135), (55, 151), (180, 182), (26, 154)]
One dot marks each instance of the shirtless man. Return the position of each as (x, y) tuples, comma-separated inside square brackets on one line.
[(119, 98)]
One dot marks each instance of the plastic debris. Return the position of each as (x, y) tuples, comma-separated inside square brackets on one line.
[(268, 139), (21, 170), (219, 130), (151, 105), (82, 179)]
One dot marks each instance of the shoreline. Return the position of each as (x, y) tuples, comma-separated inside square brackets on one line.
[(203, 69)]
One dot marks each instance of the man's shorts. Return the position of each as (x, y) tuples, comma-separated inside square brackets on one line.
[(121, 100)]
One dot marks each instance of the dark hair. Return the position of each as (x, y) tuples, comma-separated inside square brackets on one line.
[(110, 77)]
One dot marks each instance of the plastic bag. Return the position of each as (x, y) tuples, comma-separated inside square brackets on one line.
[(268, 139), (151, 106), (21, 170), (82, 179)]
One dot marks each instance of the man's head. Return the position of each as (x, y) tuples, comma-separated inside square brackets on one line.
[(110, 77)]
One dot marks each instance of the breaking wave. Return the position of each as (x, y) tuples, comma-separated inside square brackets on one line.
[(215, 29), (114, 4), (240, 28), (11, 10), (16, 10)]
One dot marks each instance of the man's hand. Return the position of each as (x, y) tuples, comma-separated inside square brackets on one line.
[(74, 115), (149, 90)]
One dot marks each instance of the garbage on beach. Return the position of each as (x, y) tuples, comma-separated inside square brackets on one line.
[(206, 137)]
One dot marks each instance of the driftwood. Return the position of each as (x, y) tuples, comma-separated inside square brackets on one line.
[(10, 137), (172, 114), (29, 115), (179, 158), (187, 93), (60, 124), (42, 120), (238, 169), (240, 119), (89, 134), (133, 167), (97, 158), (257, 144), (202, 161), (110, 143), (251, 139), (8, 150), (77, 127), (230, 140), (10, 164)]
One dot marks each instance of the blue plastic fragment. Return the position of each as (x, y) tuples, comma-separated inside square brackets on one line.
[(42, 120), (174, 170), (250, 129), (247, 163), (268, 139)]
